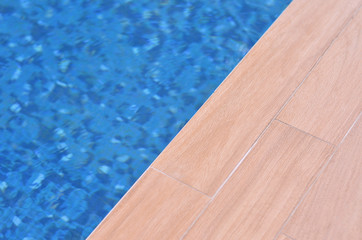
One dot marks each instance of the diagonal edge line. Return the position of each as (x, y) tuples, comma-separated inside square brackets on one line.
[(177, 180), (306, 133), (325, 165)]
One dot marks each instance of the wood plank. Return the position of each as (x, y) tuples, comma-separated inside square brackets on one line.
[(330, 99), (209, 147), (157, 207), (263, 191), (333, 208)]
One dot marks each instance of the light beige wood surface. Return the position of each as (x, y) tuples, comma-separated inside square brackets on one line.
[(259, 197), (212, 143), (331, 98), (157, 207), (283, 237), (333, 208)]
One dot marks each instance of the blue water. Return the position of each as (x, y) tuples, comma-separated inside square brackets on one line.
[(92, 91)]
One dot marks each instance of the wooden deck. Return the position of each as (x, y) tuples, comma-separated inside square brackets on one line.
[(275, 152)]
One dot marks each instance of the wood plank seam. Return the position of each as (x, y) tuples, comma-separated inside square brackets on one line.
[(133, 186), (155, 193), (333, 209), (287, 236), (301, 130), (316, 178), (275, 118), (246, 208), (179, 155), (195, 189), (214, 196), (289, 98), (280, 114)]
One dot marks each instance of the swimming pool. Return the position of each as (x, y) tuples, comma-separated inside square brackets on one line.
[(92, 91)]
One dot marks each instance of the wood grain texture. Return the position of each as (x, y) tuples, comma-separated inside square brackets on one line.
[(330, 99), (263, 191), (157, 207), (333, 208), (209, 147)]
